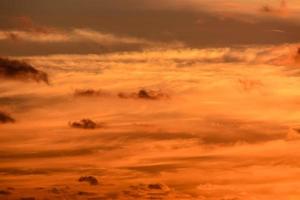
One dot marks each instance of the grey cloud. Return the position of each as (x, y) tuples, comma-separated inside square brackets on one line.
[(85, 124), (20, 70), (90, 93), (145, 94), (89, 179)]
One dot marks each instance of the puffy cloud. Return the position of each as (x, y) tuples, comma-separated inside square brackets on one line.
[(20, 70), (85, 124), (89, 179)]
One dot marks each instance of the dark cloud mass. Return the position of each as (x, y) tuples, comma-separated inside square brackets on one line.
[(4, 192), (140, 94), (5, 118), (89, 179), (20, 70), (144, 94), (85, 124)]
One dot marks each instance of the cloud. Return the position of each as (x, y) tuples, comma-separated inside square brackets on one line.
[(20, 70), (71, 36), (85, 124), (285, 55), (89, 179), (4, 192), (83, 193), (144, 94), (90, 93), (5, 118)]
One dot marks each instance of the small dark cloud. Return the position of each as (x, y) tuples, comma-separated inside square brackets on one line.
[(89, 179), (83, 193), (155, 186), (89, 93), (4, 192), (5, 118), (85, 124), (144, 94), (20, 70)]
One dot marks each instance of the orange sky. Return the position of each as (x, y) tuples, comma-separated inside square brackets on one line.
[(164, 100)]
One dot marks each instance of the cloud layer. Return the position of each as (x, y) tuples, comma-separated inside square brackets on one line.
[(190, 124)]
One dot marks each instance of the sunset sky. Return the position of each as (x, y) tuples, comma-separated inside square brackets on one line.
[(149, 99)]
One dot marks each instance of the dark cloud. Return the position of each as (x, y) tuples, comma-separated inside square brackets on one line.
[(144, 94), (90, 93), (155, 186), (5, 118), (83, 193), (140, 94), (4, 192), (89, 179), (20, 70), (85, 124)]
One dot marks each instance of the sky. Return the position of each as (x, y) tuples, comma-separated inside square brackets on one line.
[(140, 99)]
